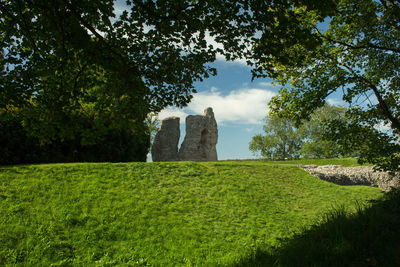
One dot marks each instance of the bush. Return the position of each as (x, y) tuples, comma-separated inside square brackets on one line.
[(118, 145)]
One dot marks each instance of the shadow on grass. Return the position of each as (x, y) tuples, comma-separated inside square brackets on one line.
[(370, 237)]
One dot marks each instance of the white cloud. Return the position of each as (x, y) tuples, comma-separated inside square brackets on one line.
[(172, 112), (118, 10), (211, 41), (214, 89), (383, 127), (335, 102), (266, 84), (250, 129), (119, 7), (244, 106)]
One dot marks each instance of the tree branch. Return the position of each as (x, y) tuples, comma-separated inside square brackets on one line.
[(355, 47), (23, 25), (79, 73), (381, 102), (101, 38), (162, 18), (386, 7)]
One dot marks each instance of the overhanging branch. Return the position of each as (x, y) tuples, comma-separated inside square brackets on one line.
[(367, 46), (381, 102), (101, 38)]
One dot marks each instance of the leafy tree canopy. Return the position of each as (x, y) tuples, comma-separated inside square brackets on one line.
[(153, 125), (316, 134), (65, 58), (357, 55), (281, 140), (311, 139)]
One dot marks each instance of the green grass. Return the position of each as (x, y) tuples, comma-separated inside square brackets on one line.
[(161, 214), (369, 237)]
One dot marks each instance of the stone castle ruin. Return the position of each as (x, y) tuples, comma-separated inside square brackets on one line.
[(199, 143), (165, 145)]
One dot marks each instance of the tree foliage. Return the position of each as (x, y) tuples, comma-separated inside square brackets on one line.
[(151, 54), (316, 134), (153, 125), (281, 140), (74, 70), (357, 55), (117, 145), (310, 139)]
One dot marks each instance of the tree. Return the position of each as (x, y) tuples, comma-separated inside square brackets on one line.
[(358, 54), (315, 134), (151, 54), (55, 53), (75, 71), (281, 140), (153, 124), (309, 140), (114, 145)]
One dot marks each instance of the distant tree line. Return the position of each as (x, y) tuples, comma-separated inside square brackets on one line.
[(283, 139)]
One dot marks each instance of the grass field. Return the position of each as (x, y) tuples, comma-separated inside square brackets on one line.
[(160, 214)]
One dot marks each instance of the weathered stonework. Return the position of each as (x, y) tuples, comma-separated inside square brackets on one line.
[(361, 175), (165, 146), (199, 143), (201, 138)]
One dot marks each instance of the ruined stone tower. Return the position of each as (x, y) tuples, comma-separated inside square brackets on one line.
[(201, 138), (165, 145), (199, 143)]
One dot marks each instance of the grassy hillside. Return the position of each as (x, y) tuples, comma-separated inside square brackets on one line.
[(160, 213)]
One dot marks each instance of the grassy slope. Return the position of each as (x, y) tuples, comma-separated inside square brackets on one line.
[(158, 213)]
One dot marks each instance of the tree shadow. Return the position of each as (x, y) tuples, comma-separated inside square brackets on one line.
[(370, 237)]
